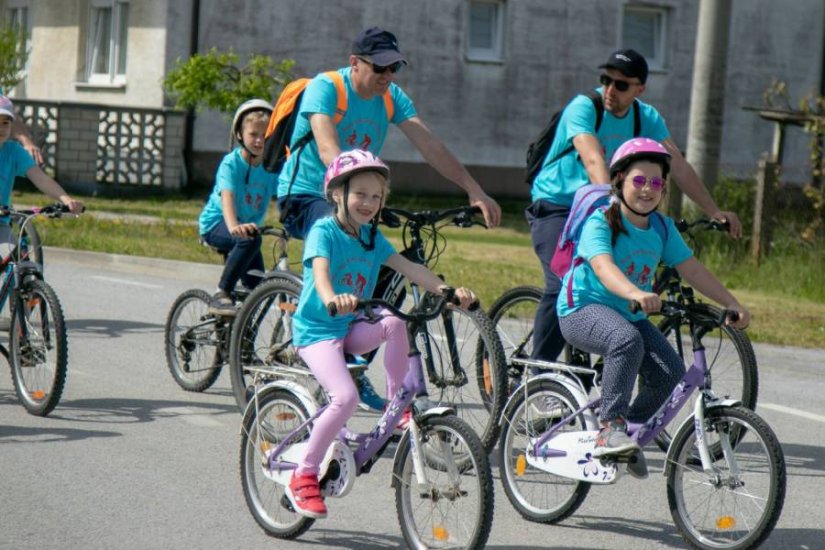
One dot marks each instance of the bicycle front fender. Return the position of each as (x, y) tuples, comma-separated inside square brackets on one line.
[(27, 268), (397, 462)]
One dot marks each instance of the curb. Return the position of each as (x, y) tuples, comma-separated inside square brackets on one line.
[(205, 273)]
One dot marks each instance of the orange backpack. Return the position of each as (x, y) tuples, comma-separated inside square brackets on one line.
[(285, 115)]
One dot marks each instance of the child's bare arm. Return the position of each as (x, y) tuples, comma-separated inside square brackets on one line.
[(695, 273), (422, 276), (53, 189), (230, 217)]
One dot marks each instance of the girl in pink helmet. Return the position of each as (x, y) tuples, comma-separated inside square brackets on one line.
[(621, 252), (342, 256)]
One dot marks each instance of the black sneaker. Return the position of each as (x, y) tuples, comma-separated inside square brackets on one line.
[(613, 440), (222, 304)]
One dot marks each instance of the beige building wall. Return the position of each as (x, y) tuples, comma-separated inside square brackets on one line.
[(58, 54)]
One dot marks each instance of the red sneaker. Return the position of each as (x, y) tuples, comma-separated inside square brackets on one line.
[(404, 423), (304, 493)]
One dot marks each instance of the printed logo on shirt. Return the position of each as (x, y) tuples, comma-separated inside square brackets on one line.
[(357, 284)]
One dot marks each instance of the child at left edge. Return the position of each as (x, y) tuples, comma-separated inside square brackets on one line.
[(342, 256), (16, 162)]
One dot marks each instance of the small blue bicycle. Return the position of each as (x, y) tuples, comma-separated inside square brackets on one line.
[(441, 475), (725, 468)]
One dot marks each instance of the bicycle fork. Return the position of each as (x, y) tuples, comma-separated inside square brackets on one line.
[(703, 447)]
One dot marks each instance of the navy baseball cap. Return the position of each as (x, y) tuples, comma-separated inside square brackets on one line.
[(628, 62), (378, 46)]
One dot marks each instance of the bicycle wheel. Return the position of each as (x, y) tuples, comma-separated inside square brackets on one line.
[(538, 495), (452, 507), (38, 349), (468, 371), (737, 504), (264, 427), (512, 315), (192, 342), (730, 358), (262, 333)]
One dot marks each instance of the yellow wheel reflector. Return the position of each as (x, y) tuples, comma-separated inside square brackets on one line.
[(488, 384), (38, 394), (284, 416), (725, 522), (440, 533), (521, 465), (288, 307)]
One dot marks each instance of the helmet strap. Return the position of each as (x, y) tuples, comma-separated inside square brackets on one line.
[(624, 202)]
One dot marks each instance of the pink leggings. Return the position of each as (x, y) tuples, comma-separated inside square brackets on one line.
[(326, 360)]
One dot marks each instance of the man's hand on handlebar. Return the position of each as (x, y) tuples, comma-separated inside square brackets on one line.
[(732, 221), (489, 209)]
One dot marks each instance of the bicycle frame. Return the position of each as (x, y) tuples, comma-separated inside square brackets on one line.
[(697, 377)]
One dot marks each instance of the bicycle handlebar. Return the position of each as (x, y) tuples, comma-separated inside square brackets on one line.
[(415, 315), (273, 231), (676, 309), (461, 216), (710, 225), (55, 210)]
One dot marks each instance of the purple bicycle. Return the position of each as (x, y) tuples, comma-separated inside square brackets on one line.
[(725, 468), (441, 474)]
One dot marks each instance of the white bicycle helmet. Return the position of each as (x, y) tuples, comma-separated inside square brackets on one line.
[(245, 108)]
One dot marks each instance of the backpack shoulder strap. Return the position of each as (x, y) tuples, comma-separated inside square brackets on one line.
[(598, 104), (389, 106), (637, 119), (341, 93), (657, 221)]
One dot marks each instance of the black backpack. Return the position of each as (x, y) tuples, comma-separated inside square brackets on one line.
[(538, 149)]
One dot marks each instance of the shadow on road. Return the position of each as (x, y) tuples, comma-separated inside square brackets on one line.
[(111, 328), (804, 460), (126, 410), (30, 434)]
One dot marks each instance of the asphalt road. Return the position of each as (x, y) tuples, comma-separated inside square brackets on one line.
[(130, 461)]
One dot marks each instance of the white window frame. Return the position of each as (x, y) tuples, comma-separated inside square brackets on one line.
[(656, 60), (14, 8), (495, 53), (115, 75)]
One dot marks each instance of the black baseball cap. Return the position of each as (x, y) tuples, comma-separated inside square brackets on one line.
[(378, 46), (628, 62)]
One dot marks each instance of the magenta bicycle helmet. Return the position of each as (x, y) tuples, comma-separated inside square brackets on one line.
[(349, 163), (639, 148)]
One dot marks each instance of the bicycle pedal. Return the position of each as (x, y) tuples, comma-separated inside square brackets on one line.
[(286, 503)]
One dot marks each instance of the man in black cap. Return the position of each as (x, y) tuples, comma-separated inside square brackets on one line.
[(352, 108), (583, 144), (355, 112)]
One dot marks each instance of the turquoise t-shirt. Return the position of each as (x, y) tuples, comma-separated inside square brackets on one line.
[(636, 254), (14, 162), (558, 181), (352, 270), (364, 126), (253, 188)]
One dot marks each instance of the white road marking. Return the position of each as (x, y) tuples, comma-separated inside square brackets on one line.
[(125, 281), (789, 410)]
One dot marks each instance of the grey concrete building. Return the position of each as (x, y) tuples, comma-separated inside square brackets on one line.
[(485, 75)]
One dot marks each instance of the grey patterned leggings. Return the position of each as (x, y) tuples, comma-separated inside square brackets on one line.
[(628, 349)]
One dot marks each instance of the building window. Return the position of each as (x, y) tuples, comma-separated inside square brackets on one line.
[(644, 28), (486, 37), (17, 16), (106, 46)]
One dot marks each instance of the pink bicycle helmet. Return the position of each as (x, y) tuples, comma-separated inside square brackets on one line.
[(349, 163), (639, 148)]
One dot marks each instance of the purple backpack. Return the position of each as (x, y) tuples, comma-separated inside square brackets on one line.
[(587, 199)]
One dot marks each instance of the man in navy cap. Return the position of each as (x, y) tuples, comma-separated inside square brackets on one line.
[(578, 156), (373, 101)]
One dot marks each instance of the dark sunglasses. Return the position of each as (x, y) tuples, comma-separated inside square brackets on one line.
[(381, 69), (656, 183), (621, 85)]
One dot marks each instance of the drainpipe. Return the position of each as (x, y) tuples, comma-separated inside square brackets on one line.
[(188, 147)]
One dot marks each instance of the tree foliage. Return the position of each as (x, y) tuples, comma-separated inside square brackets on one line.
[(215, 80), (13, 56)]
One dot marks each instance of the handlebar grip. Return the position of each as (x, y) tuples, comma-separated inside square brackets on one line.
[(332, 309), (635, 306), (474, 306)]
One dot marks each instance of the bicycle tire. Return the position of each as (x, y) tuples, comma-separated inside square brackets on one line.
[(734, 371), (38, 346), (281, 412), (530, 489), (512, 315), (446, 442), (739, 504), (189, 332), (466, 339), (249, 344)]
